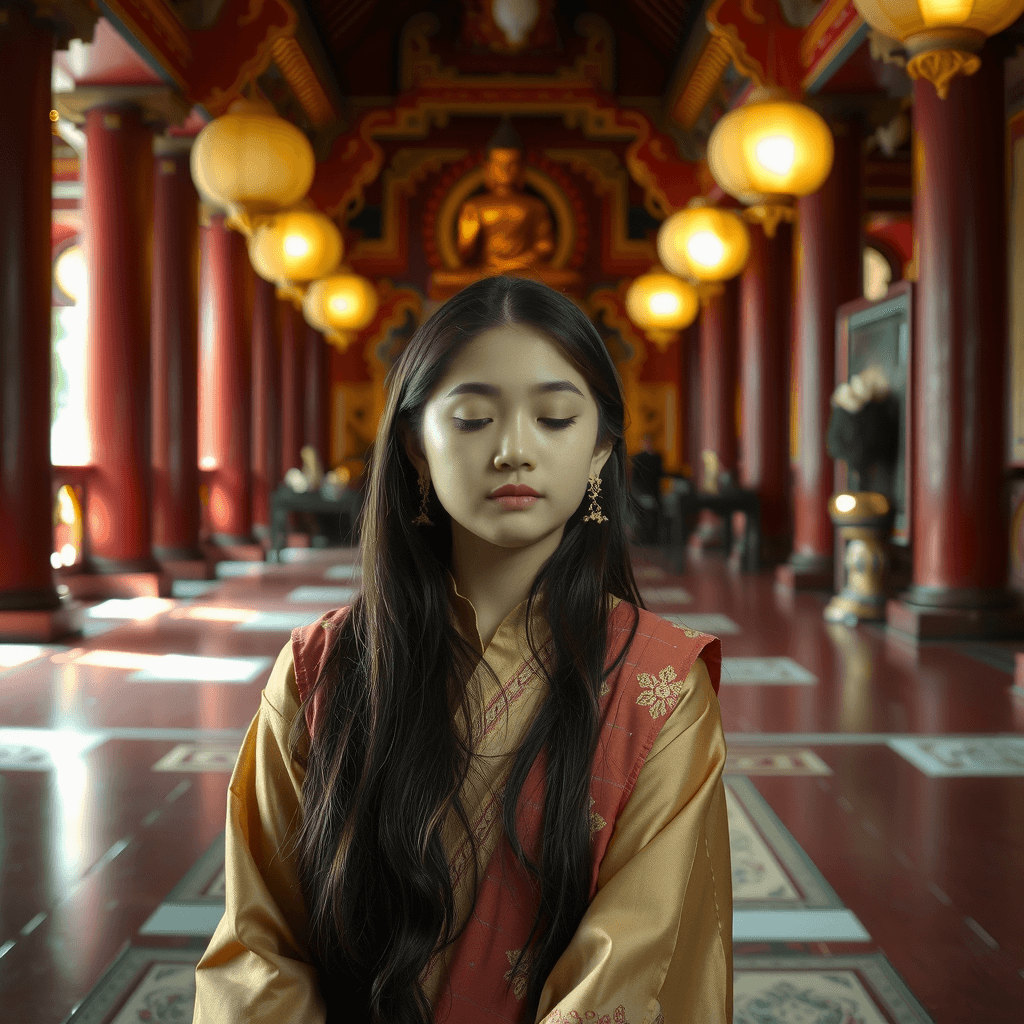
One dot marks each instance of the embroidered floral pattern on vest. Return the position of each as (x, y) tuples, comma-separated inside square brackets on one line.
[(596, 821), (617, 1016), (660, 695), (521, 980)]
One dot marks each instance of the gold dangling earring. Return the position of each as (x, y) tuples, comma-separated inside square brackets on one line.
[(594, 512), (423, 519)]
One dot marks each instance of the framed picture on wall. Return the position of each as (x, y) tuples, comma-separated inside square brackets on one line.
[(880, 333)]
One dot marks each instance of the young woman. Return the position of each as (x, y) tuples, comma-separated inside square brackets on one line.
[(490, 790)]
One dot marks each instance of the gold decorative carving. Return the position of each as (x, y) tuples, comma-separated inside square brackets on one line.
[(770, 216), (703, 82), (609, 178), (419, 64), (399, 181), (747, 66), (255, 7), (747, 7), (940, 67), (302, 80)]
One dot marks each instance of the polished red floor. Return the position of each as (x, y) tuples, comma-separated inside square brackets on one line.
[(92, 839)]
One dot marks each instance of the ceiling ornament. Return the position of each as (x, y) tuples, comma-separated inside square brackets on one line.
[(434, 93)]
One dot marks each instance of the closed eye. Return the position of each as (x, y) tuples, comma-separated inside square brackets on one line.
[(477, 424)]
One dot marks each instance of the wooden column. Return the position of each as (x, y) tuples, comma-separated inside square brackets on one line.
[(293, 423), (29, 606), (764, 384), (118, 208), (174, 332), (266, 408), (960, 533), (828, 272), (316, 432), (718, 355), (229, 373)]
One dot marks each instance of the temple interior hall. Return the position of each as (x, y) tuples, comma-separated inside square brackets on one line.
[(798, 228)]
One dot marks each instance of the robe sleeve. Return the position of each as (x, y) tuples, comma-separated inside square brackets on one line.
[(655, 944), (256, 968)]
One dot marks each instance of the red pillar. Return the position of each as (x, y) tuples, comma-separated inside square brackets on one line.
[(293, 426), (118, 208), (228, 372), (317, 413), (960, 533), (265, 403), (718, 353), (827, 272), (764, 383), (175, 316), (29, 606)]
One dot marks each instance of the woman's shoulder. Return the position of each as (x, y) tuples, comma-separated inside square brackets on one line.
[(660, 645), (310, 646)]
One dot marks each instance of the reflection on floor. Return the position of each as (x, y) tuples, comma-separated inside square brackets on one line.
[(876, 809)]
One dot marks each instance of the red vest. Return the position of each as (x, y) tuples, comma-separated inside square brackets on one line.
[(635, 702)]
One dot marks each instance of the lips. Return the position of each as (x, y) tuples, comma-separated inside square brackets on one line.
[(514, 491)]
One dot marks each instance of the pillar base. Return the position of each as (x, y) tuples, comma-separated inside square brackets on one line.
[(42, 627), (920, 622), (805, 572), (102, 586), (229, 549)]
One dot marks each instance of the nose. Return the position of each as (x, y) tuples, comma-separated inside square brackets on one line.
[(514, 449)]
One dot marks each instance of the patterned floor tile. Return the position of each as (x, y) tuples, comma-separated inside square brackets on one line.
[(270, 622), (134, 608), (769, 868), (666, 595), (335, 596), (765, 672), (199, 757), (43, 750), (785, 989), (344, 572), (705, 622), (233, 570), (952, 757), (774, 761), (16, 655), (193, 588), (190, 668), (157, 986)]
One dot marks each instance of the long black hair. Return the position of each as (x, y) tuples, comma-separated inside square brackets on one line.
[(386, 765)]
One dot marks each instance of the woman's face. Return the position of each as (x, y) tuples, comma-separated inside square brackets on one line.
[(510, 410)]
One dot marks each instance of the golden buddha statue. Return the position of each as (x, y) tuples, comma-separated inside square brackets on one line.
[(505, 229)]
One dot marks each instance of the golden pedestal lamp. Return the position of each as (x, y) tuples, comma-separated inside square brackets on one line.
[(704, 244), (253, 163), (863, 519), (340, 305), (768, 151), (942, 37), (295, 247), (662, 305)]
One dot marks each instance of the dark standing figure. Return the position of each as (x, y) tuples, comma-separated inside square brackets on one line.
[(647, 468)]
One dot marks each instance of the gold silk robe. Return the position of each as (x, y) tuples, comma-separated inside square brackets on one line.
[(657, 938)]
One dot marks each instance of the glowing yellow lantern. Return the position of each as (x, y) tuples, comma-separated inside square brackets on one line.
[(662, 305), (769, 150), (942, 37), (295, 247), (252, 162), (340, 305), (70, 273), (704, 243)]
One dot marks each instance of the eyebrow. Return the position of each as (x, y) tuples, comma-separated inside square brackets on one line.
[(492, 390)]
